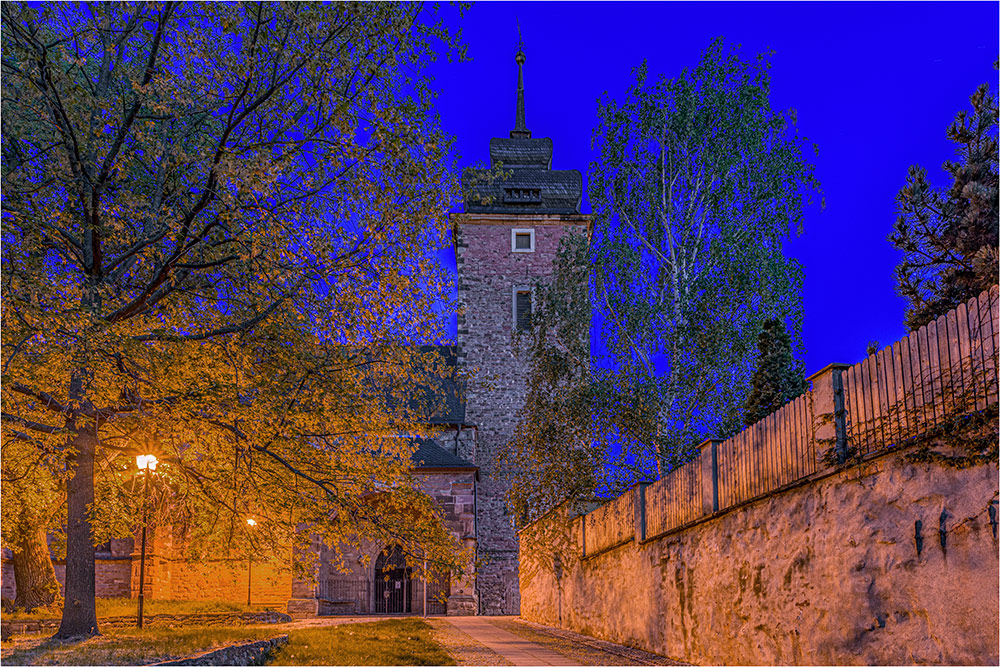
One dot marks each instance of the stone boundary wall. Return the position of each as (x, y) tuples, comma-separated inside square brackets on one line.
[(886, 562), (249, 653), (943, 371), (811, 537), (35, 626)]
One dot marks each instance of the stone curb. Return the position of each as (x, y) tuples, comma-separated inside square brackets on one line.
[(247, 653)]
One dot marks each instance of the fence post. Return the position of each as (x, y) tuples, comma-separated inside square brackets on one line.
[(829, 414), (640, 511), (709, 475)]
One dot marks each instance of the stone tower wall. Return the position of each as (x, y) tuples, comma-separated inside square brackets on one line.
[(488, 272)]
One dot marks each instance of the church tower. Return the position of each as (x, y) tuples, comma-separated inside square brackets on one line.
[(505, 241)]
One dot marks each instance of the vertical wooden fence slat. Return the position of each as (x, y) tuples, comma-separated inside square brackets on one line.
[(899, 395), (885, 396), (906, 385), (985, 340), (934, 369), (787, 458), (967, 397), (740, 464), (889, 396), (759, 457), (926, 383), (724, 474), (871, 402), (736, 463), (990, 344), (751, 467), (810, 434), (955, 350), (855, 416), (975, 353), (916, 378), (776, 437), (882, 380), (873, 426), (772, 433), (796, 442), (944, 356)]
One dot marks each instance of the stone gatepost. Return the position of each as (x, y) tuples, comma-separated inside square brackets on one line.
[(829, 414)]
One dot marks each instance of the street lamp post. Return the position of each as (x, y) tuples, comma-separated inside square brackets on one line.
[(251, 523), (146, 463)]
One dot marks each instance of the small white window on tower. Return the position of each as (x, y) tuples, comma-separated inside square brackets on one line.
[(522, 240), (522, 308)]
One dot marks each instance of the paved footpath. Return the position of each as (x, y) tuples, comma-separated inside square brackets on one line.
[(517, 650)]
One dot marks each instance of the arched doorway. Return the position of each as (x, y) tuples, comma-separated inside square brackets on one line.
[(393, 592)]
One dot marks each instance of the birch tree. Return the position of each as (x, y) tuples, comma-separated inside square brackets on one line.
[(697, 185)]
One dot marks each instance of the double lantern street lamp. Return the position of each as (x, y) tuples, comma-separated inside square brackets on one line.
[(147, 464)]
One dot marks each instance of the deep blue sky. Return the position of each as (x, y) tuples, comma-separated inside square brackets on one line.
[(875, 86)]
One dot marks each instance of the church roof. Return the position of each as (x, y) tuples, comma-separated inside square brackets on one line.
[(528, 185), (430, 455)]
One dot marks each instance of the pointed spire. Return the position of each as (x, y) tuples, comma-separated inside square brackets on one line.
[(520, 130)]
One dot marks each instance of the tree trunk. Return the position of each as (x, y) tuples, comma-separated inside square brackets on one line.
[(34, 576), (80, 610)]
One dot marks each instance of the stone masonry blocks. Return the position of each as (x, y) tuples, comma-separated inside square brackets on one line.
[(488, 272)]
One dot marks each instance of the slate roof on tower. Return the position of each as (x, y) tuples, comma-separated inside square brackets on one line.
[(529, 184), (431, 456)]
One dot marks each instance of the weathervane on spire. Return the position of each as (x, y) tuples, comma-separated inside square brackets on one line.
[(520, 130)]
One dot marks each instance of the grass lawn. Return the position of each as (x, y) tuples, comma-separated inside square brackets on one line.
[(128, 646), (107, 607), (404, 641)]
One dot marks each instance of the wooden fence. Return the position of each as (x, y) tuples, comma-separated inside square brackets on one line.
[(610, 524), (777, 450), (942, 371), (945, 369), (673, 500)]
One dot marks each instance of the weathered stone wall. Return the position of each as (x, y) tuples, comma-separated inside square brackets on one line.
[(835, 571), (112, 573), (488, 272)]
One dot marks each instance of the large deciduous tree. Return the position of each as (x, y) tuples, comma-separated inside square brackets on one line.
[(949, 236), (219, 224), (698, 183)]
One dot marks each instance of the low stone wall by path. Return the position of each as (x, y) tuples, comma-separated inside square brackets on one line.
[(44, 625), (248, 653)]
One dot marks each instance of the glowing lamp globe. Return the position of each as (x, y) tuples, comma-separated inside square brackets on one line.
[(146, 461)]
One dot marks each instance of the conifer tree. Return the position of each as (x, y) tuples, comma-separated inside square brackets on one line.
[(949, 236), (779, 377)]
